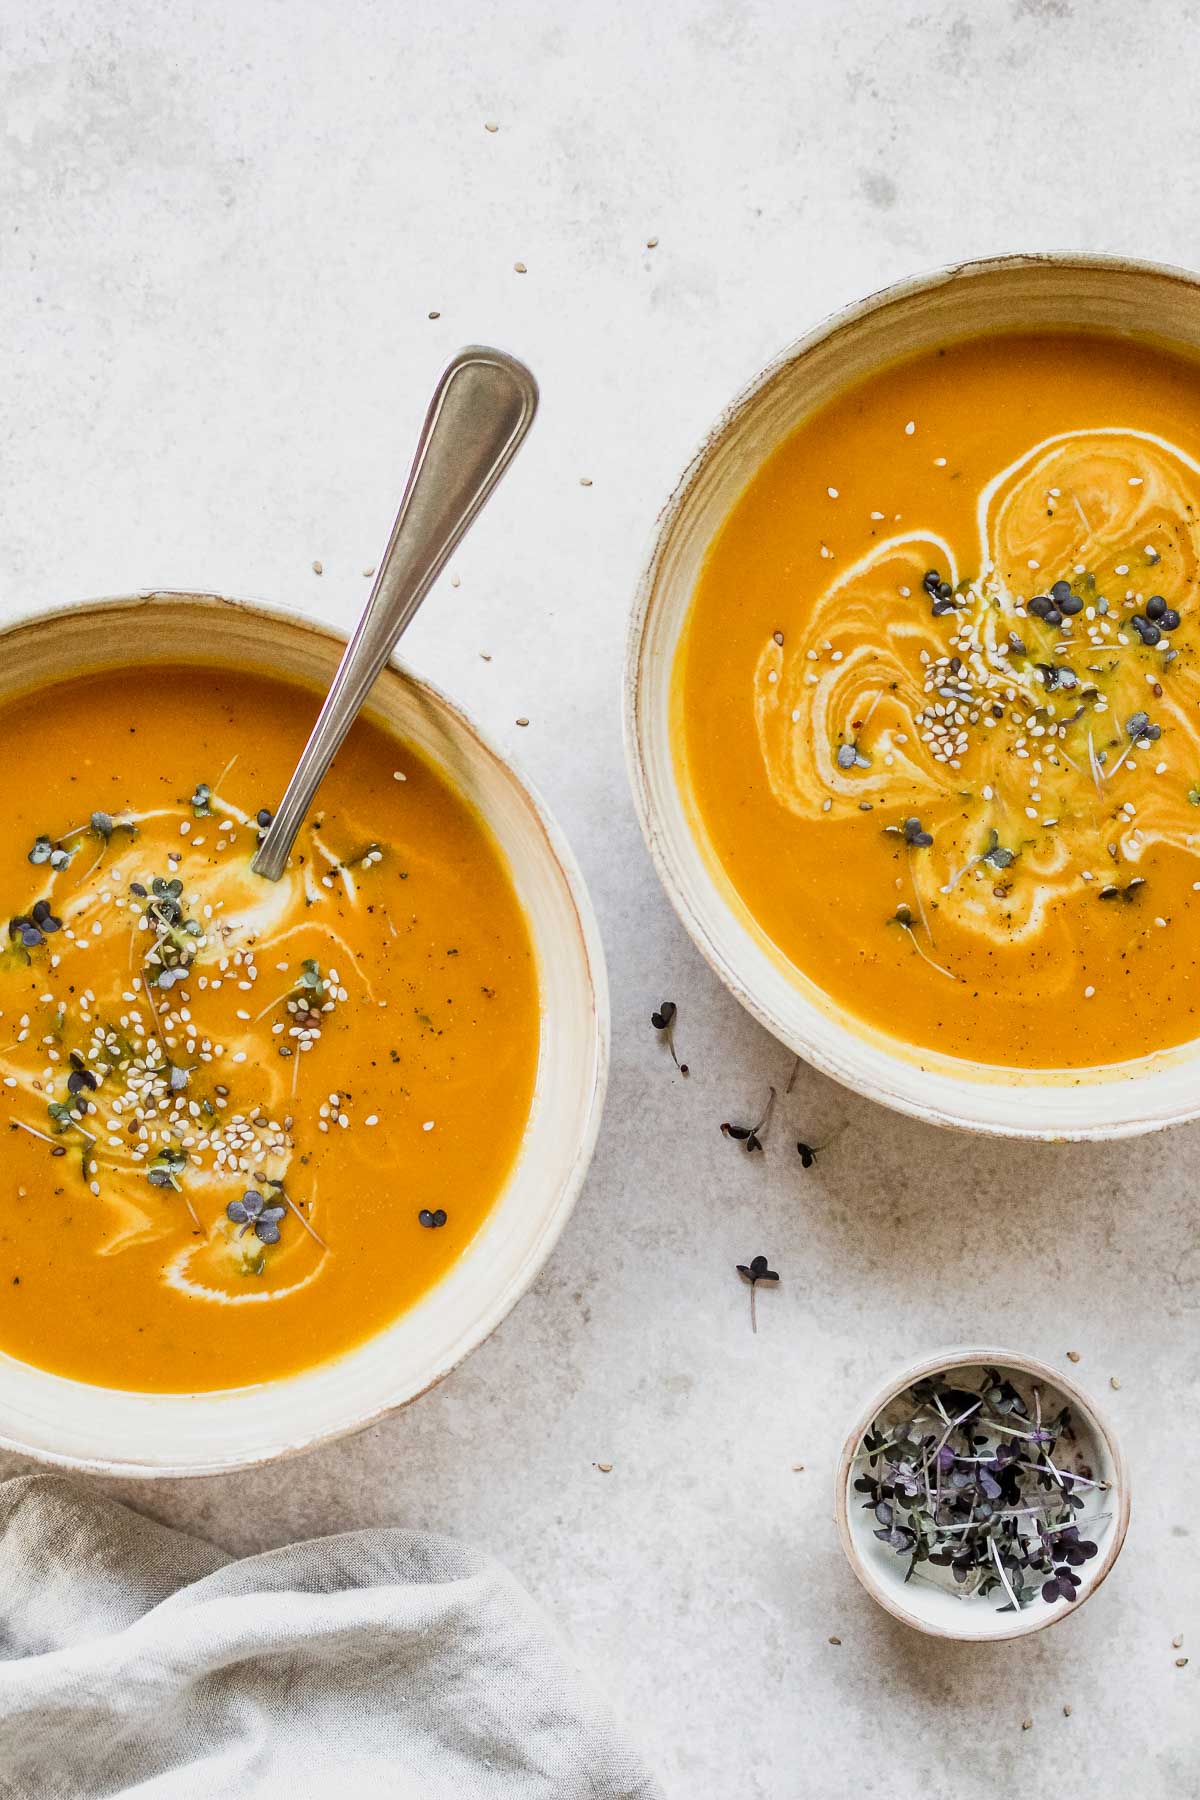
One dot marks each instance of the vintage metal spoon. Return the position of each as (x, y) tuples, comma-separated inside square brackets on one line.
[(482, 408)]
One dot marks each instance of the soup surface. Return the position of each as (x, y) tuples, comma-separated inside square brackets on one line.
[(937, 700), (246, 1123)]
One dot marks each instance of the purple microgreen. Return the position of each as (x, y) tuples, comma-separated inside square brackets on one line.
[(808, 1153), (164, 1172), (1140, 730), (30, 930), (751, 1135), (754, 1271), (940, 593), (252, 1213), (663, 1021), (904, 919), (996, 856), (177, 939), (167, 1167)]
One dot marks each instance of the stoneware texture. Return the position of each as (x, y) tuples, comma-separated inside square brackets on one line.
[(224, 229)]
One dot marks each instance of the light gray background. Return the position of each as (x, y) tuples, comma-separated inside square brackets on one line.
[(222, 228)]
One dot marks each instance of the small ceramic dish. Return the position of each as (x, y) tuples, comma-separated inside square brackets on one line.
[(939, 1610), (143, 1434), (1012, 293)]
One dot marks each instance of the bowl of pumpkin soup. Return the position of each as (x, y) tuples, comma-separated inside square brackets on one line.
[(277, 1154), (913, 697)]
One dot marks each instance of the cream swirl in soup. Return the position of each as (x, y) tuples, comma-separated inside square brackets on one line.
[(940, 699)]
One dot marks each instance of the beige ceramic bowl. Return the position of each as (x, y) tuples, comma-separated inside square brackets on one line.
[(1010, 293), (113, 1432), (938, 1611)]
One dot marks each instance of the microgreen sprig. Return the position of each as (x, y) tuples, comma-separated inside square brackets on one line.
[(751, 1136), (664, 1021), (754, 1271)]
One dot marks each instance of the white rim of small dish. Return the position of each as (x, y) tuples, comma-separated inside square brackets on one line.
[(1109, 1102), (139, 1410), (889, 1594)]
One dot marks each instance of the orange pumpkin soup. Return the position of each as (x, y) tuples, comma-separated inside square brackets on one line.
[(246, 1123), (937, 701)]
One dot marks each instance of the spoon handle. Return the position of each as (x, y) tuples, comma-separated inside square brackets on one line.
[(483, 406)]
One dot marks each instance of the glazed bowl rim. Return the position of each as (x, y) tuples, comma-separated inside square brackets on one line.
[(1107, 1125), (590, 950)]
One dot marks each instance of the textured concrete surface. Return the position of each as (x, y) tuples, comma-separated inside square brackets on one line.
[(222, 230)]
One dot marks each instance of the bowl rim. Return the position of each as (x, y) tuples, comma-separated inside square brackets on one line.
[(636, 677), (965, 1356), (591, 945)]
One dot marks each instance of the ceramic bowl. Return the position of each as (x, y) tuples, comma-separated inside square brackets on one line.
[(940, 1612), (114, 1432), (1012, 293)]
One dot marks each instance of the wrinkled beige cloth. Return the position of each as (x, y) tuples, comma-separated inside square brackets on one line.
[(136, 1660)]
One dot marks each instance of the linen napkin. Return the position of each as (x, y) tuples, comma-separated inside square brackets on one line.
[(137, 1660)]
